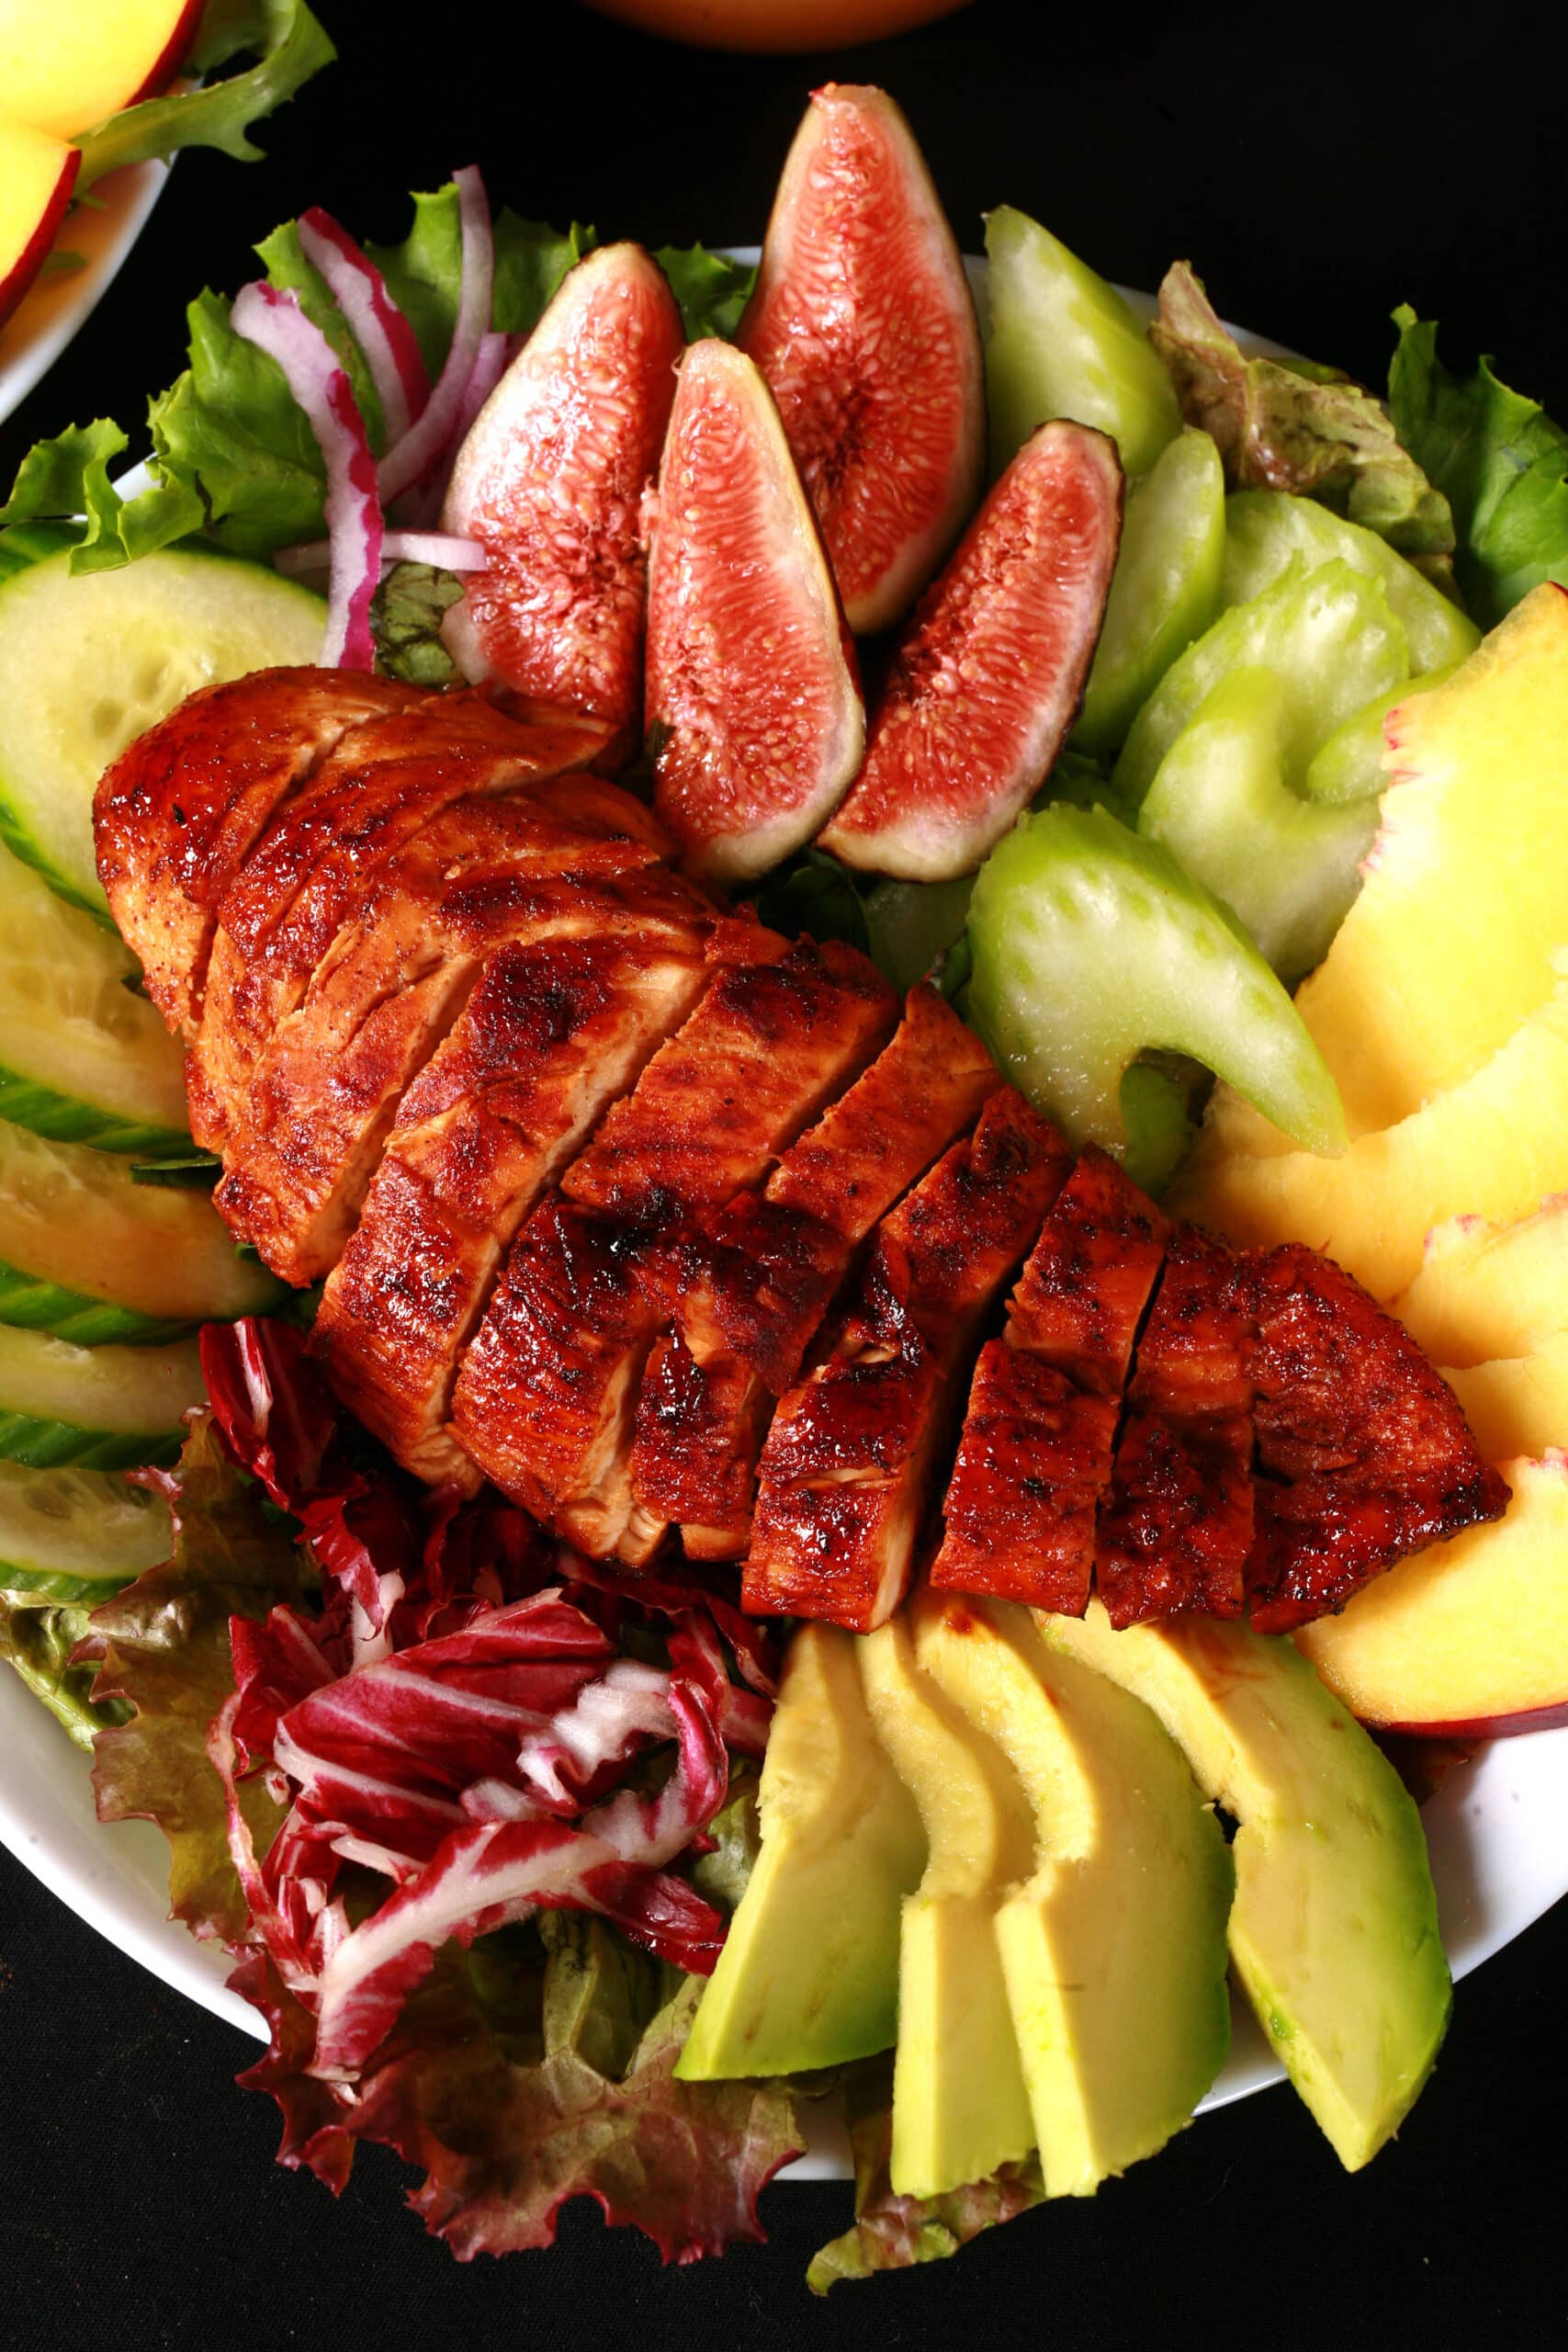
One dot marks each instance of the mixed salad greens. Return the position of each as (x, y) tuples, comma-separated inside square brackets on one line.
[(285, 1666)]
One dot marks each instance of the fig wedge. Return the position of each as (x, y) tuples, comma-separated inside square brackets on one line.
[(989, 675), (550, 481), (863, 323), (754, 716)]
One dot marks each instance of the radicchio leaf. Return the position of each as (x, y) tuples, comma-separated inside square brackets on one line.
[(506, 2142)]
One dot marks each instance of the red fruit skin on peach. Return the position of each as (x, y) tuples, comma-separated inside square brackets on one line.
[(989, 675), (1486, 1727), (551, 482), (753, 703), (172, 56), (31, 258), (863, 323)]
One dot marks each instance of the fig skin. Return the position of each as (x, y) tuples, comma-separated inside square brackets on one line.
[(754, 716), (551, 481), (863, 323), (988, 676)]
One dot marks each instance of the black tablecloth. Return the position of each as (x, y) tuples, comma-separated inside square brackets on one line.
[(1318, 166)]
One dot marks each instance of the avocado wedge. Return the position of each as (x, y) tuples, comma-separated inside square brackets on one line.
[(1113, 1948), (809, 1975), (1334, 1933)]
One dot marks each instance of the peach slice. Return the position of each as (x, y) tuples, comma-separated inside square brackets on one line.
[(1471, 1639), (91, 58), (38, 173)]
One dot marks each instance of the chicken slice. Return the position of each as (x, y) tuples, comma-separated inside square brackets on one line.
[(310, 869), (181, 806), (752, 1287), (844, 1475), (1177, 1527), (1034, 1458), (550, 1036), (325, 1092), (1365, 1452), (547, 1397)]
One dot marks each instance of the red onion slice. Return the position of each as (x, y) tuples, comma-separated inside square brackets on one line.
[(432, 432), (277, 325), (377, 326), (442, 548)]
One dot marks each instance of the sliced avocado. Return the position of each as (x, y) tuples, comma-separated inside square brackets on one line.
[(1113, 1948), (960, 2104), (1335, 1930), (809, 1975)]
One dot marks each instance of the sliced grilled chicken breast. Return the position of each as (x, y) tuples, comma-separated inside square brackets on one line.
[(1034, 1458), (324, 1093), (547, 1397), (844, 1476), (751, 1289), (551, 1036), (181, 807), (283, 910), (1177, 1527)]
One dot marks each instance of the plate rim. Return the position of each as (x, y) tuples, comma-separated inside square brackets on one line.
[(53, 310)]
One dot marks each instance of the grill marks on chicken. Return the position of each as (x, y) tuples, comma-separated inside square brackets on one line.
[(546, 1398), (178, 812), (594, 1171), (1365, 1454), (750, 1288), (555, 1032), (1177, 1528), (1034, 1458), (311, 864), (847, 1467), (554, 863)]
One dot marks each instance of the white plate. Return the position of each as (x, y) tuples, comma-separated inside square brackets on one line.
[(1499, 1857), (48, 316)]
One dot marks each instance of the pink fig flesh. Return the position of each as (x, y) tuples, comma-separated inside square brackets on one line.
[(753, 711), (991, 672), (551, 481), (863, 323)]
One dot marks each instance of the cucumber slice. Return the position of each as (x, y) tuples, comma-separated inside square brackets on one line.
[(1329, 635), (1350, 765), (1223, 803), (82, 1056), (1063, 343), (1090, 946), (1268, 531), (91, 660), (101, 1408), (73, 1223), (1166, 588), (70, 1535)]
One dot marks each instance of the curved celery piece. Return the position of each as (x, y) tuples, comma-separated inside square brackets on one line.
[(1223, 804), (1091, 945), (1165, 590), (1266, 531), (1328, 635), (1350, 765), (1063, 343)]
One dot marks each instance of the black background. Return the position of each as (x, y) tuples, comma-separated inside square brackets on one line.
[(1318, 165)]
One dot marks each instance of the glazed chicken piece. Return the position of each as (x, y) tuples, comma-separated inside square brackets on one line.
[(312, 865), (1036, 1455), (1177, 1527), (844, 1475), (176, 814), (546, 1396), (551, 1036), (750, 1289), (574, 858), (1365, 1452)]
